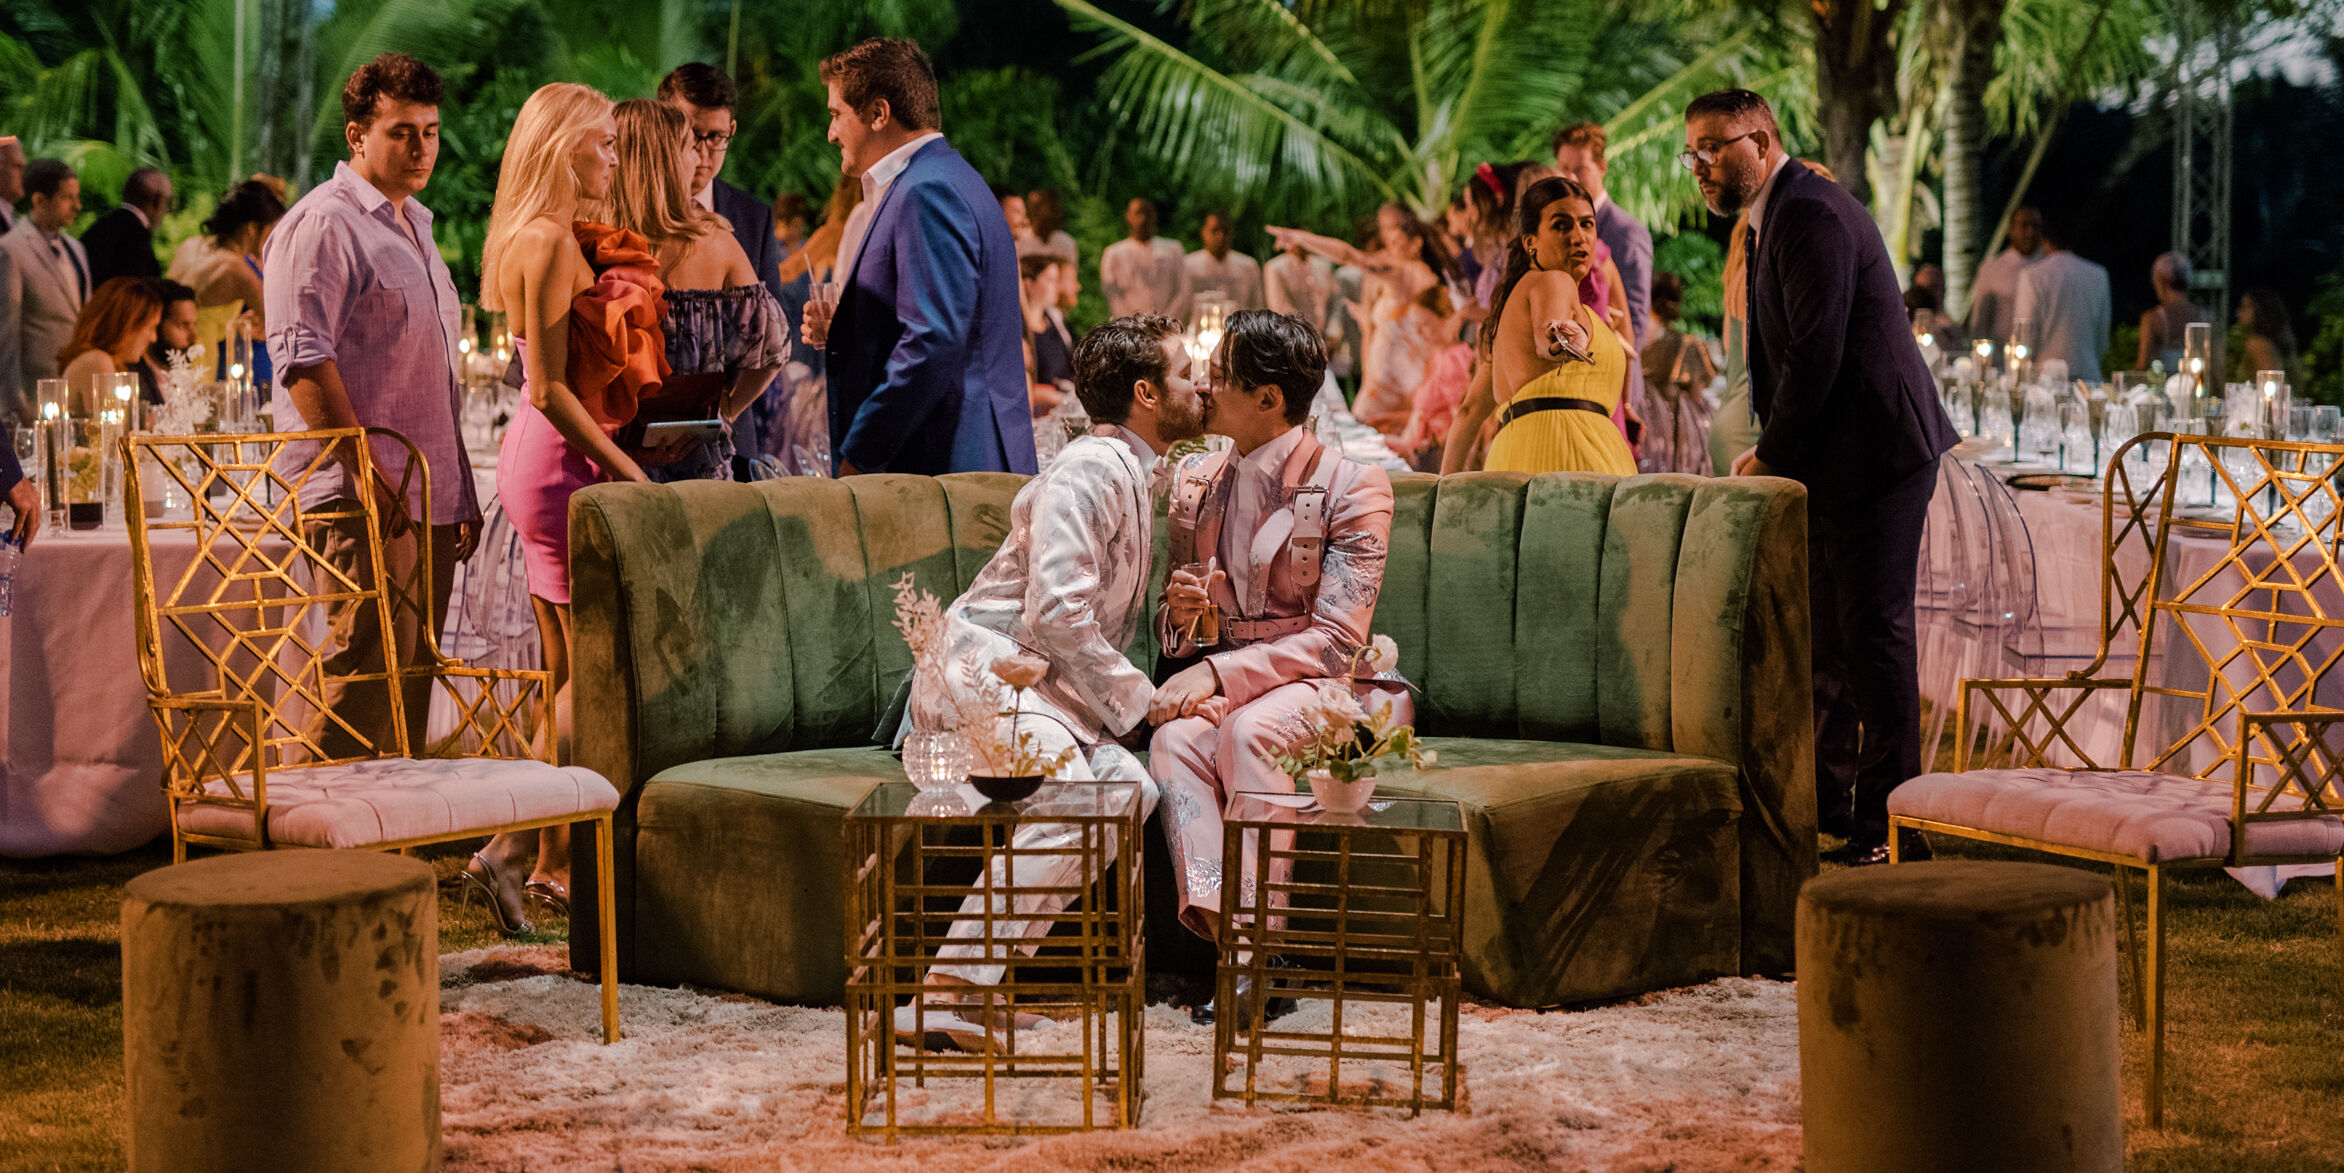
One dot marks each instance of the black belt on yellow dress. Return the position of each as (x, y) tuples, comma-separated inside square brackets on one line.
[(1537, 403)]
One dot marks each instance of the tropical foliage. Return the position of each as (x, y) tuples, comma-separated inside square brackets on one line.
[(1307, 110)]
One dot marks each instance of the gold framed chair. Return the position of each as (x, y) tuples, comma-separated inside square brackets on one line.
[(2220, 579), (254, 755)]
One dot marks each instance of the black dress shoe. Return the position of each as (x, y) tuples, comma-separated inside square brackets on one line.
[(1861, 853), (1203, 1014), (1854, 854)]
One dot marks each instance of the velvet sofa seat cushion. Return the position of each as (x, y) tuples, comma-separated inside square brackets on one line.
[(2154, 818), (1592, 871), (743, 856), (399, 800)]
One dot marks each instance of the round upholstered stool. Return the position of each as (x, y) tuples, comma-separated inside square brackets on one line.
[(280, 1011), (1959, 1016)]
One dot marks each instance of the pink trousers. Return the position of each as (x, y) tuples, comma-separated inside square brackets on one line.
[(1201, 765)]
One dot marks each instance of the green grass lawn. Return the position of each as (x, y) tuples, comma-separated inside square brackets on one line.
[(2255, 1075)]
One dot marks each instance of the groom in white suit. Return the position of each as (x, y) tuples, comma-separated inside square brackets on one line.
[(1069, 587), (43, 282)]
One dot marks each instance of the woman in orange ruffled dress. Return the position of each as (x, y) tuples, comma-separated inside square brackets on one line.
[(584, 303)]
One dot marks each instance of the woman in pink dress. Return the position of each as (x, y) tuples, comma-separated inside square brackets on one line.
[(581, 335)]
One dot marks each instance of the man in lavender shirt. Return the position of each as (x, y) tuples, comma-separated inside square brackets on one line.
[(362, 324)]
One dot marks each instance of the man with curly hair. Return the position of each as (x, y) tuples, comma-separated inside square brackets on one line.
[(1063, 597)]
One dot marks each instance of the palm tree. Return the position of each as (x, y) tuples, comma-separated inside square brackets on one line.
[(1308, 110), (210, 89)]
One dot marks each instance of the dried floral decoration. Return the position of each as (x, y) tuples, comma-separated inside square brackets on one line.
[(987, 692)]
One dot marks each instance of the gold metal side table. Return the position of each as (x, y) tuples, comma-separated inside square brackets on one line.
[(1365, 911), (912, 861)]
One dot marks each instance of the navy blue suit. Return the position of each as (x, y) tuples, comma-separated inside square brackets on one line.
[(926, 353), (1849, 409)]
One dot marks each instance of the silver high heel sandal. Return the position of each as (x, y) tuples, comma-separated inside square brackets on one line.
[(480, 878)]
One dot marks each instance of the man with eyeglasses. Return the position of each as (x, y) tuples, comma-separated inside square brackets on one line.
[(707, 97), (1847, 408)]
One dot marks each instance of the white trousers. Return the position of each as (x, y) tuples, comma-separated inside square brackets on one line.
[(1033, 867)]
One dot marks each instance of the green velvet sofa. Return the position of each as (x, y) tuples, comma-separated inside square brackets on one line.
[(1614, 672)]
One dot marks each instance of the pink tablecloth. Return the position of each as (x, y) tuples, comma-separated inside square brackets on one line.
[(2065, 533), (81, 764)]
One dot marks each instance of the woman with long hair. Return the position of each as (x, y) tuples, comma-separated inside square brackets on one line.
[(582, 371), (2270, 335), (725, 335), (1555, 371), (116, 326), (1408, 309), (820, 255), (225, 272)]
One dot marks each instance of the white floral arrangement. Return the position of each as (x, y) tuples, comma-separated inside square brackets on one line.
[(988, 692), (185, 408), (1346, 740)]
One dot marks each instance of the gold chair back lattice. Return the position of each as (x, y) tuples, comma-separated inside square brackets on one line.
[(255, 602), (2220, 581)]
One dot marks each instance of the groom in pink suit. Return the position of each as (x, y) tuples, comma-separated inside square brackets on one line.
[(1280, 544)]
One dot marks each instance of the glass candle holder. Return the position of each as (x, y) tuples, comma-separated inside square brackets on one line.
[(2197, 356), (118, 393), (935, 761), (2278, 403)]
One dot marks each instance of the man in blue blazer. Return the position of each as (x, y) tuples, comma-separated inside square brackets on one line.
[(925, 346), (707, 96), (1847, 408)]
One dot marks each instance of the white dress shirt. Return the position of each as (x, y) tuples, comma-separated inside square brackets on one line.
[(1758, 202), (1236, 276), (1302, 286), (1145, 278), (2065, 298), (876, 178)]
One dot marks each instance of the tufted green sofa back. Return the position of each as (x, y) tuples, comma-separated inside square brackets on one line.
[(718, 619)]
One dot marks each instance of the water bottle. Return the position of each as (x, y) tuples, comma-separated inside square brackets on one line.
[(10, 552)]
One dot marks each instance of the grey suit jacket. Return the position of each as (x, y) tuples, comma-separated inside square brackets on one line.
[(39, 301)]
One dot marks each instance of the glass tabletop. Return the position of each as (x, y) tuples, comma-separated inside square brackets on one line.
[(1075, 800), (1389, 814)]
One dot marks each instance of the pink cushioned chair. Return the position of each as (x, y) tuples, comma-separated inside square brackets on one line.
[(2220, 746), (253, 756)]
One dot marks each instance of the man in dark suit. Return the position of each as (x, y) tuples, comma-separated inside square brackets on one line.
[(925, 345), (707, 97), (1847, 408), (121, 243)]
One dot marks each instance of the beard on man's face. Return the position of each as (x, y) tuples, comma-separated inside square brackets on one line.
[(1735, 186), (1181, 420)]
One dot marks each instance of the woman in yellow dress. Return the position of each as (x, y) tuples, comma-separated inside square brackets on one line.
[(1555, 371)]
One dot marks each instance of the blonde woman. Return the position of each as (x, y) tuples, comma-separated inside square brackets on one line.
[(581, 378), (725, 335)]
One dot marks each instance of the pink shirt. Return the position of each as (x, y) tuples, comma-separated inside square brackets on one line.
[(343, 279)]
